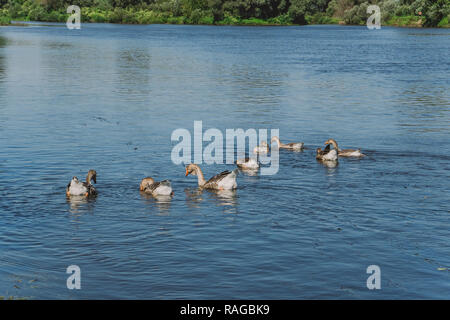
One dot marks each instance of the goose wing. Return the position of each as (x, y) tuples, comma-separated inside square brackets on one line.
[(90, 189), (159, 188), (348, 150), (294, 145), (152, 187), (326, 150), (214, 181), (218, 177)]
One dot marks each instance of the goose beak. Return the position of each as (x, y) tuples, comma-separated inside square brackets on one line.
[(187, 172), (95, 179)]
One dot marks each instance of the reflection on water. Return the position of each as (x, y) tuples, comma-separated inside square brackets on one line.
[(195, 197), (80, 204), (109, 97), (225, 198), (161, 203), (3, 42), (249, 172), (329, 164)]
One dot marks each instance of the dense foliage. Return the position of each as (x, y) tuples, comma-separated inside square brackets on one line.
[(279, 12)]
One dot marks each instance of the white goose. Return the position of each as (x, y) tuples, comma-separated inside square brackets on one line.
[(247, 164), (162, 188), (345, 152), (327, 154), (296, 146), (263, 148), (78, 188)]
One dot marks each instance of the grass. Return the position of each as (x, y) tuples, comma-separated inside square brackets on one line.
[(405, 21), (444, 23), (321, 18)]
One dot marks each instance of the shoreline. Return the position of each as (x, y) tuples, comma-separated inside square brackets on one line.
[(24, 23)]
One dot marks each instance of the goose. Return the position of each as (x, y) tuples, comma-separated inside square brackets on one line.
[(345, 152), (145, 182), (263, 148), (247, 164), (79, 188), (297, 146), (149, 186), (326, 154), (225, 180)]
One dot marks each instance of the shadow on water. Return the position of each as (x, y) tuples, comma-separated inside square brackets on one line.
[(225, 197), (249, 172), (222, 198), (81, 204), (3, 41), (331, 166)]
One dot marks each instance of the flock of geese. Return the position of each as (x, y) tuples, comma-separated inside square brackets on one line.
[(225, 180)]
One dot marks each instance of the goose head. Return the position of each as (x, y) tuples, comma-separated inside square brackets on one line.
[(332, 142), (145, 182), (191, 169), (275, 139), (318, 151)]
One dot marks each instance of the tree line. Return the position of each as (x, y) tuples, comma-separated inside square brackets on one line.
[(430, 13)]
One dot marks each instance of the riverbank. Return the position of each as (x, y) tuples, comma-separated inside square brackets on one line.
[(398, 22), (134, 16)]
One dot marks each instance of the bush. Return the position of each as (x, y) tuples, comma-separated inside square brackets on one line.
[(253, 22), (231, 12), (176, 20), (37, 13), (281, 20), (228, 20), (4, 17), (321, 18), (120, 15), (435, 13), (404, 21), (444, 23), (97, 16), (56, 16), (388, 9), (357, 15), (403, 10), (208, 19), (297, 11)]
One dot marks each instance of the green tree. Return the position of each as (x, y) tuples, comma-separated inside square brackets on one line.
[(298, 10)]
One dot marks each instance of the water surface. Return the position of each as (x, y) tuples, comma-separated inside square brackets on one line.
[(108, 97)]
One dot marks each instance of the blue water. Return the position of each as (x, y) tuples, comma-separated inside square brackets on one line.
[(108, 97)]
